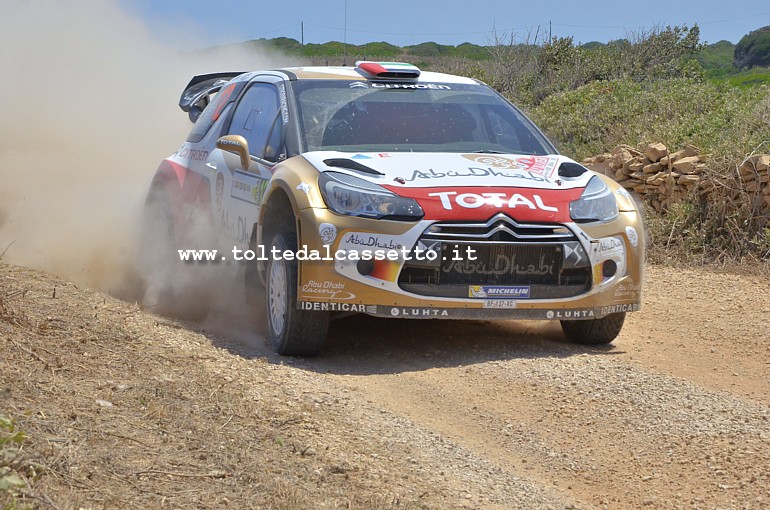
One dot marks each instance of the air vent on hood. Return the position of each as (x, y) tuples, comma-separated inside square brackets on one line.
[(351, 165), (570, 170)]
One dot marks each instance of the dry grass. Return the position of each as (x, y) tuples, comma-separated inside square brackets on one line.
[(123, 410)]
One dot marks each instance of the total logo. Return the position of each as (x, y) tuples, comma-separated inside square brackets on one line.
[(499, 200)]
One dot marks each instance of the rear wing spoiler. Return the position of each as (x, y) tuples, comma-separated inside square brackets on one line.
[(196, 94)]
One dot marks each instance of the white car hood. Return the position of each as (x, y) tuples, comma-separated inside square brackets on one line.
[(429, 170)]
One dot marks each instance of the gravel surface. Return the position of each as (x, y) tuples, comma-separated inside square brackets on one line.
[(123, 408)]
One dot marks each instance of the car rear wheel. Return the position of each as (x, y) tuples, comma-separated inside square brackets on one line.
[(594, 331), (292, 332), (156, 261)]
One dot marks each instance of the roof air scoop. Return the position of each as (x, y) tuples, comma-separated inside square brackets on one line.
[(389, 70)]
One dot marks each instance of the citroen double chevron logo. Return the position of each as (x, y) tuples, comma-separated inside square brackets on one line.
[(359, 85), (572, 249)]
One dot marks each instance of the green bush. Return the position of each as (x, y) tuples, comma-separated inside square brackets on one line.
[(717, 56), (528, 72), (753, 49), (379, 49), (725, 121), (10, 480)]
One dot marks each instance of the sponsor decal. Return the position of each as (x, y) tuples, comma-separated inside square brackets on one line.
[(604, 250), (418, 312), (498, 291), (360, 156), (570, 314), (588, 313), (359, 85), (624, 193), (465, 203), (495, 161), (234, 229), (248, 187), (540, 165), (416, 86), (500, 303), (328, 233), (473, 172), (192, 154), (606, 310), (628, 291), (327, 290), (383, 155), (498, 200), (258, 191), (608, 246), (335, 307), (304, 187), (284, 106), (633, 237), (367, 240), (503, 265), (598, 274)]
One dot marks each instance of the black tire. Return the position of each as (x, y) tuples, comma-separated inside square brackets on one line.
[(292, 332), (594, 331)]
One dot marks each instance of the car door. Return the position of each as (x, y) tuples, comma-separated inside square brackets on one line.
[(237, 192)]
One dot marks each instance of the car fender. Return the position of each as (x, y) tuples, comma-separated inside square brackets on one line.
[(298, 179)]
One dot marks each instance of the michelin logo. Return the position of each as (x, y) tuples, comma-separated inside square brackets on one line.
[(499, 292)]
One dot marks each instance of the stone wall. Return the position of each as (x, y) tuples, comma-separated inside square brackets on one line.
[(663, 178)]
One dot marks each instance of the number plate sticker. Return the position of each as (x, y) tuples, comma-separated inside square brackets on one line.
[(499, 303)]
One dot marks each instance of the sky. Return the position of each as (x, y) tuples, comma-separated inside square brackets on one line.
[(407, 22)]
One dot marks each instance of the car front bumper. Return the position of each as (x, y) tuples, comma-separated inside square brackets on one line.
[(570, 272)]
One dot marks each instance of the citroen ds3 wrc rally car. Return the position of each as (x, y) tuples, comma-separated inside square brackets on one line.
[(472, 211)]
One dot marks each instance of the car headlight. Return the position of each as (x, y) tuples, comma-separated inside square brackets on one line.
[(345, 194), (597, 203)]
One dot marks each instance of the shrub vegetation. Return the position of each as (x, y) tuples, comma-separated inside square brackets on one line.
[(659, 85)]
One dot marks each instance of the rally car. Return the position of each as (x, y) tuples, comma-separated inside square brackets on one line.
[(384, 190)]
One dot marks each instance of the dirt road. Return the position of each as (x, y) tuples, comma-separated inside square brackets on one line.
[(399, 414)]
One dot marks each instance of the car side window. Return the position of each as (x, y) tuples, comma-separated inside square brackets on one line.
[(255, 116), (212, 112)]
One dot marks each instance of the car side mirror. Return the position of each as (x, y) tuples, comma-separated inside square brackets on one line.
[(238, 145)]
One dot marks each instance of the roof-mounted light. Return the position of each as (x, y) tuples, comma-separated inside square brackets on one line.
[(392, 70)]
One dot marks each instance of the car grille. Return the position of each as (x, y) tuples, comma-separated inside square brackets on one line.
[(539, 256)]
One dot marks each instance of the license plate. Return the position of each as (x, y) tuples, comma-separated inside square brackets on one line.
[(499, 303)]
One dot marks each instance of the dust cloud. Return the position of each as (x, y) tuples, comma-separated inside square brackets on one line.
[(88, 108)]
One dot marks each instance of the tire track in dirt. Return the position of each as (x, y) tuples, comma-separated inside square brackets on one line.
[(674, 415)]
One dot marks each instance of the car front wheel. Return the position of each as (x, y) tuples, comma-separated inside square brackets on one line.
[(594, 331), (292, 332)]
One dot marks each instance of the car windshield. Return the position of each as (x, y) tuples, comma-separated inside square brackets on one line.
[(401, 117)]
